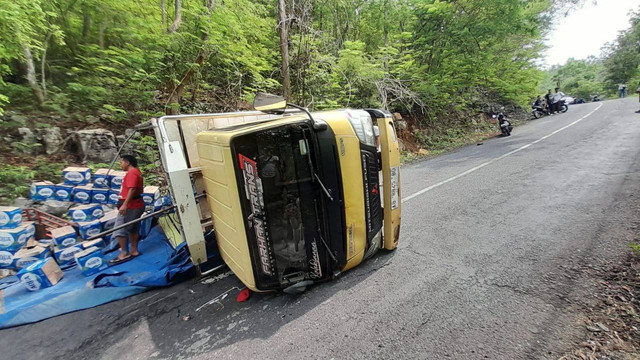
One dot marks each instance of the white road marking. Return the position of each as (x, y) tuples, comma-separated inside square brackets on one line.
[(164, 298), (218, 298), (138, 302), (496, 159)]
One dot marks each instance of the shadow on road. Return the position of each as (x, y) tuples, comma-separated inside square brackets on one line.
[(185, 320)]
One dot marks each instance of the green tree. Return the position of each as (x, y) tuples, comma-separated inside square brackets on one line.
[(578, 78), (467, 49), (126, 60), (622, 57), (22, 25)]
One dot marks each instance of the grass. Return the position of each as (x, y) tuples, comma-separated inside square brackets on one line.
[(16, 178), (441, 141)]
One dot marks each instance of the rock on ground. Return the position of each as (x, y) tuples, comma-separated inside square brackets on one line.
[(97, 145), (28, 140), (50, 138)]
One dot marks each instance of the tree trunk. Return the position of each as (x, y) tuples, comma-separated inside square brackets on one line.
[(31, 74), (86, 22), (176, 94), (103, 27), (178, 18), (43, 62), (386, 36), (163, 8), (284, 50)]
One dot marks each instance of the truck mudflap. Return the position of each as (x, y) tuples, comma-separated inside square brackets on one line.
[(392, 201)]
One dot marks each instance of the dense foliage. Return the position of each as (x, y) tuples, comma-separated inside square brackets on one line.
[(579, 78), (621, 58), (132, 59), (618, 64)]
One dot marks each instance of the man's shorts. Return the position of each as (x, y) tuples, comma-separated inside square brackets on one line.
[(129, 215)]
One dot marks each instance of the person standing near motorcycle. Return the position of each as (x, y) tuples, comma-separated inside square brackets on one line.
[(548, 97), (538, 102), (638, 91), (555, 101)]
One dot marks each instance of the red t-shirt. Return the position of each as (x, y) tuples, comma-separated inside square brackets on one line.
[(133, 179)]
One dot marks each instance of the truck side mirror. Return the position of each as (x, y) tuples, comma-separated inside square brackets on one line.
[(320, 126), (269, 103)]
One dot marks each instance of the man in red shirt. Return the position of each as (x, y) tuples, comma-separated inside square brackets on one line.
[(130, 207)]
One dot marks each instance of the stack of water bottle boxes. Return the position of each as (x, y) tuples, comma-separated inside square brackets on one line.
[(40, 263), (81, 187), (78, 187)]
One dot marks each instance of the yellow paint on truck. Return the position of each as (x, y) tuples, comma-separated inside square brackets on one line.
[(218, 169), (352, 185), (392, 201), (217, 164)]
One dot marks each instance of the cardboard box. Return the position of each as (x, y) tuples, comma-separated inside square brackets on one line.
[(40, 275), (109, 219), (150, 194), (42, 191), (6, 259), (27, 256), (108, 241), (91, 261), (158, 204), (63, 192), (31, 230), (114, 195), (66, 256), (82, 194), (99, 243), (161, 202), (10, 217), (76, 175), (99, 196), (45, 242), (13, 239), (89, 229), (116, 178), (100, 179), (87, 212), (64, 237)]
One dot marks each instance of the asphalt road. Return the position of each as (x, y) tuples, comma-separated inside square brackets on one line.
[(488, 234)]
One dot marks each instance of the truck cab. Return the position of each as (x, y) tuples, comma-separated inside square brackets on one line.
[(296, 198)]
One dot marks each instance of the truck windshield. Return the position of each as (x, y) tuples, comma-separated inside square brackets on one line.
[(281, 202)]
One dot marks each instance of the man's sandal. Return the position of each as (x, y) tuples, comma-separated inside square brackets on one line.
[(117, 260)]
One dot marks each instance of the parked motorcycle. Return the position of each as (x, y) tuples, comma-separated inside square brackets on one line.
[(595, 98), (505, 125), (539, 111), (562, 106)]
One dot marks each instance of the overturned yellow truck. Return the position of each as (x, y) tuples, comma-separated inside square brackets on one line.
[(293, 197)]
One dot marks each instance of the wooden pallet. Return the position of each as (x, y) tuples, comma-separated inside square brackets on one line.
[(49, 221)]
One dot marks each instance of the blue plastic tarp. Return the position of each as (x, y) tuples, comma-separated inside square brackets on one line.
[(158, 265)]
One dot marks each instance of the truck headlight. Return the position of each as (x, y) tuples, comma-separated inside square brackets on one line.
[(362, 124)]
